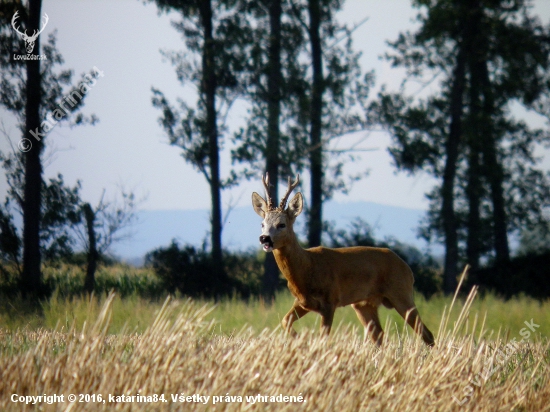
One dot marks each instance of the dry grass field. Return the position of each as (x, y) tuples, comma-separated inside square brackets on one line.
[(180, 362)]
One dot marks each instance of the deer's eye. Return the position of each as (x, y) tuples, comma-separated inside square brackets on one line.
[(262, 225), (281, 226)]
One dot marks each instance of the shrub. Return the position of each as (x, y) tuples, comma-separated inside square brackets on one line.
[(192, 272), (527, 274), (246, 269)]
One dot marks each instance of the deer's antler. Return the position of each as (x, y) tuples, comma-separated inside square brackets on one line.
[(268, 198), (289, 190)]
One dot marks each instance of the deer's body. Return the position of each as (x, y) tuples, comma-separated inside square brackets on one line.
[(323, 279), (342, 276)]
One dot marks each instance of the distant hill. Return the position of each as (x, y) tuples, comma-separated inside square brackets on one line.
[(158, 227)]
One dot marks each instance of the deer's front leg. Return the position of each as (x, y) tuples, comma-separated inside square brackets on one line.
[(327, 316), (295, 313)]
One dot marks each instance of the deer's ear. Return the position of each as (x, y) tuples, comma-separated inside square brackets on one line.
[(295, 206), (259, 204)]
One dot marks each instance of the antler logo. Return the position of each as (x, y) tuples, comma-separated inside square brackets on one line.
[(29, 40)]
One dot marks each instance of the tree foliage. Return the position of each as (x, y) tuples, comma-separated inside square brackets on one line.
[(341, 91), (59, 213), (487, 57), (263, 57), (32, 91), (64, 221), (208, 64)]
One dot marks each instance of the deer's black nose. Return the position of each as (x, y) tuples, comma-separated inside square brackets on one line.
[(265, 239)]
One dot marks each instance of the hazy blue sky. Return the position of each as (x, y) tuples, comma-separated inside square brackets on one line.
[(128, 147)]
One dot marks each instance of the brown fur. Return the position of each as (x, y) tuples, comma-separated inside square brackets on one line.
[(323, 279)]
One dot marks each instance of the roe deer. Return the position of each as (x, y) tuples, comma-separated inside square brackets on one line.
[(323, 279)]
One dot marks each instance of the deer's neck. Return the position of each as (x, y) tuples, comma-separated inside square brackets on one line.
[(295, 264)]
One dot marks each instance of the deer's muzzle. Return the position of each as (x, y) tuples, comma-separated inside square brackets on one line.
[(267, 243)]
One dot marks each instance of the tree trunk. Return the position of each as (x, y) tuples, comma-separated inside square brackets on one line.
[(500, 226), (476, 130), (271, 271), (31, 282), (93, 255), (447, 191), (473, 244), (496, 178), (315, 228), (208, 90), (495, 173)]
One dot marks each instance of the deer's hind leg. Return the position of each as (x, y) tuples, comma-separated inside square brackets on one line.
[(407, 309), (295, 313), (368, 315)]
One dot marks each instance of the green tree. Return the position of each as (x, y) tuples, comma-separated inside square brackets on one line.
[(273, 86), (58, 216), (487, 55), (66, 222), (278, 81), (31, 91), (343, 86), (207, 30), (332, 103)]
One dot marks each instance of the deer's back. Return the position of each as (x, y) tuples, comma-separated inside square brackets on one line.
[(361, 273)]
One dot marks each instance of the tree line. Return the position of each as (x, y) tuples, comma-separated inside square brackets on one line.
[(56, 220), (285, 60), (484, 56), (487, 57), (294, 65)]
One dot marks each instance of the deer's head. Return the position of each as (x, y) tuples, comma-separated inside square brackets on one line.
[(277, 225), (29, 40)]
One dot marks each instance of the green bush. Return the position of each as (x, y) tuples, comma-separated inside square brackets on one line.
[(192, 272), (526, 274)]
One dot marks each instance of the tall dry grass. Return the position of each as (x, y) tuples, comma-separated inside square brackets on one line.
[(180, 354)]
